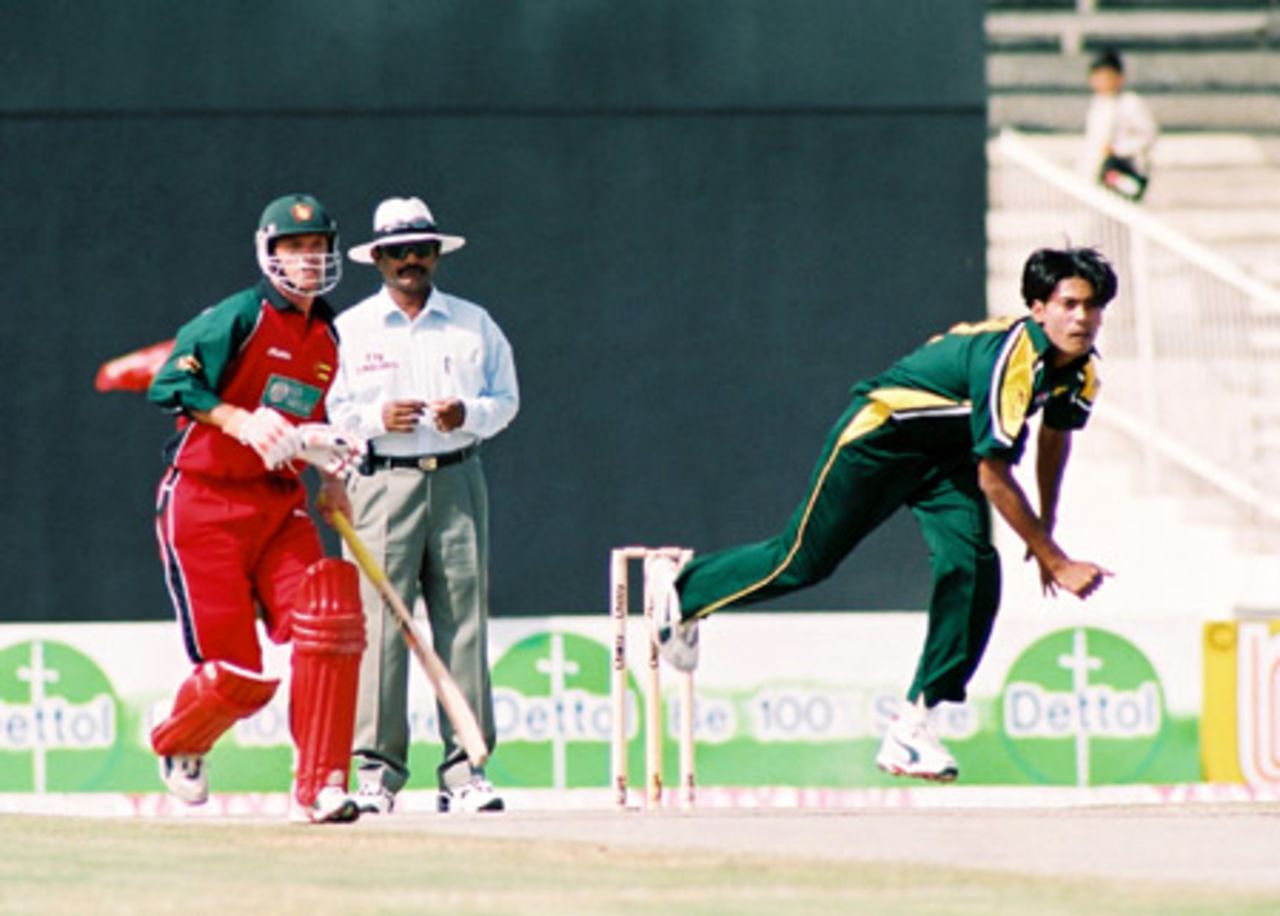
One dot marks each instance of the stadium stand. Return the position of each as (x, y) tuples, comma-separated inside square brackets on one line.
[(1175, 486)]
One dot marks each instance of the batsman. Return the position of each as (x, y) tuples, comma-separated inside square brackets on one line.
[(939, 433), (247, 379)]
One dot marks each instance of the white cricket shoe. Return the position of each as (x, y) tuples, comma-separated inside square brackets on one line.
[(332, 806), (185, 777), (677, 639), (910, 748), (375, 798), (476, 794)]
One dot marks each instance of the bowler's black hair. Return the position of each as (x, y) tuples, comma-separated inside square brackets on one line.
[(1108, 59), (1047, 267)]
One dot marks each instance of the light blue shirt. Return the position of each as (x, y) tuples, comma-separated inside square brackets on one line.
[(451, 349)]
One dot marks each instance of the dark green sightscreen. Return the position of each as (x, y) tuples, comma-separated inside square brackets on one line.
[(698, 222)]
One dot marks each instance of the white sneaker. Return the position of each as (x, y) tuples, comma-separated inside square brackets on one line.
[(474, 795), (677, 639), (332, 806), (910, 748), (185, 776), (375, 798)]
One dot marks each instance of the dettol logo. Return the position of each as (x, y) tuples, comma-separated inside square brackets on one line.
[(552, 711), (58, 718), (1082, 706)]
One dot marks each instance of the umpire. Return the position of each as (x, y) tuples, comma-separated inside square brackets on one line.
[(425, 377)]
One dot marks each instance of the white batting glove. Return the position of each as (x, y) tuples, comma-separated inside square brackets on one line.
[(331, 451), (275, 439)]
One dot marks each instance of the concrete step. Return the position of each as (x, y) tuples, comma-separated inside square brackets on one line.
[(1250, 224), (1215, 186), (1160, 565), (1172, 111), (1228, 26), (1172, 574), (1175, 554), (1003, 298), (1195, 149), (1242, 234), (1257, 587), (1222, 189), (1266, 269), (1027, 228), (1253, 70)]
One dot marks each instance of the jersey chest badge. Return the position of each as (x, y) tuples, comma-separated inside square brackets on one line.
[(288, 395)]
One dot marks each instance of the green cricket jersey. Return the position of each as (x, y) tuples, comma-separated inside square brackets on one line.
[(253, 348), (976, 386)]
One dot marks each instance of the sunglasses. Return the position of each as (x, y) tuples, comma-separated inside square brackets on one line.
[(399, 250)]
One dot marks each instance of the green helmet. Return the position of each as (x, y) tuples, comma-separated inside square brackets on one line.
[(298, 214)]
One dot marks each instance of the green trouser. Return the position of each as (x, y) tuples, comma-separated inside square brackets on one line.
[(430, 532), (869, 467)]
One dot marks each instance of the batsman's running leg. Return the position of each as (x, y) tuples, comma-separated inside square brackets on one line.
[(328, 639), (213, 698)]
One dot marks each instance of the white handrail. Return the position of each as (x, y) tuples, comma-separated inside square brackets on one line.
[(1208, 471), (1013, 146)]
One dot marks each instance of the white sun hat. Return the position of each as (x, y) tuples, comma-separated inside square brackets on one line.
[(403, 219)]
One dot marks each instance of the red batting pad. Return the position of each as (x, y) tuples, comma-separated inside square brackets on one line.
[(328, 639), (212, 699), (133, 371)]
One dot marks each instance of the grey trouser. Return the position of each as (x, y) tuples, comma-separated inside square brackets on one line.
[(430, 532)]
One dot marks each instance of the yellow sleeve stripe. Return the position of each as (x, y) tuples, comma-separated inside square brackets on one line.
[(1089, 390), (1013, 379)]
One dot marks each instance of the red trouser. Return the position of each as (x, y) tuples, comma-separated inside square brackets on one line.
[(229, 546)]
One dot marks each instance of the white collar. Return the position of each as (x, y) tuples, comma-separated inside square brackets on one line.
[(436, 302)]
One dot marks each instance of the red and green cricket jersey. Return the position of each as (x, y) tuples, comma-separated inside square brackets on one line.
[(253, 348), (976, 386)]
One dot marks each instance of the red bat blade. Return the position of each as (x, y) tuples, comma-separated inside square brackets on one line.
[(133, 371)]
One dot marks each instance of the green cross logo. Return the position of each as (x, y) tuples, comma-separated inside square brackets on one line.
[(58, 718), (1082, 706), (552, 711)]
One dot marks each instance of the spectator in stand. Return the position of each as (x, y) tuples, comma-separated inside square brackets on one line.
[(1119, 131)]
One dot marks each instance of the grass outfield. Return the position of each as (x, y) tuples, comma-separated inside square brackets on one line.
[(73, 865)]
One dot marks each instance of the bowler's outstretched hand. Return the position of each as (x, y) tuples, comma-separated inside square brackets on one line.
[(1080, 577)]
